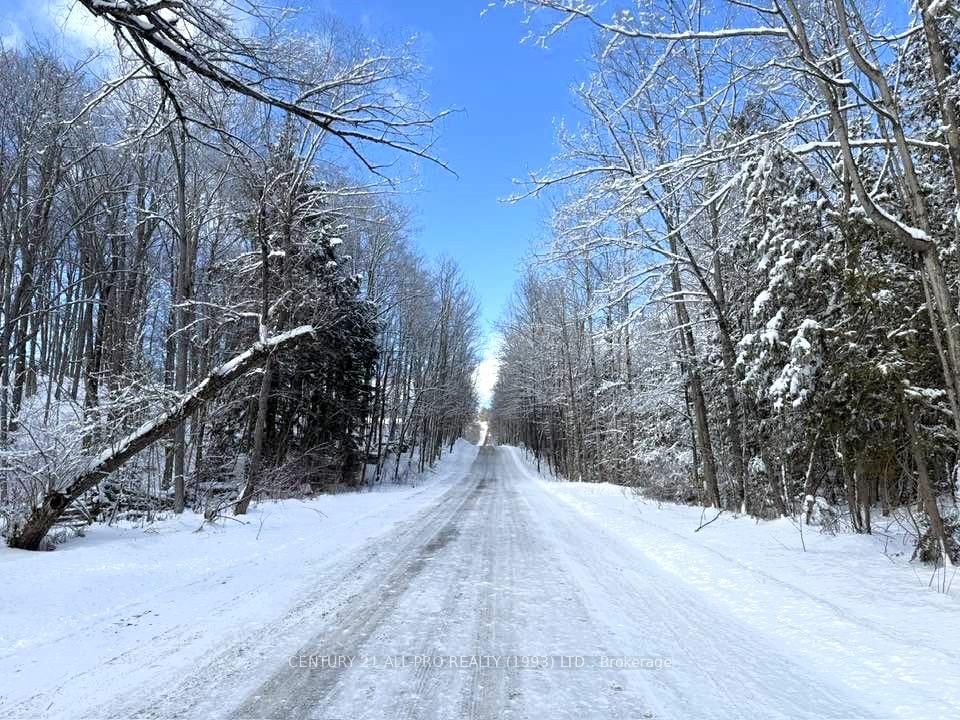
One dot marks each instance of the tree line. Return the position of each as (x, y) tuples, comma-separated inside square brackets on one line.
[(208, 288), (749, 300)]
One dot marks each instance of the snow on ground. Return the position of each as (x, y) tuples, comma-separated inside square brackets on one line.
[(851, 606), (138, 599), (487, 562)]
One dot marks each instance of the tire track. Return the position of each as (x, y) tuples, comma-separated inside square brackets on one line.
[(298, 693)]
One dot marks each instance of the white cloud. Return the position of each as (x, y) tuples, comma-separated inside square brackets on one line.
[(10, 35), (486, 375), (64, 23), (79, 25)]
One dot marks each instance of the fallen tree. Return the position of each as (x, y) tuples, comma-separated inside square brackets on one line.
[(30, 534)]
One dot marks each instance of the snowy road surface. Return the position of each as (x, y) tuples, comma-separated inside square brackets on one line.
[(495, 596)]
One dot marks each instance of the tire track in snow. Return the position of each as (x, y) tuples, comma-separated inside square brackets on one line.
[(484, 691), (719, 666), (300, 693), (465, 567), (219, 682)]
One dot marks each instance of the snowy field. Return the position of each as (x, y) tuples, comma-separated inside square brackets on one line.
[(482, 559)]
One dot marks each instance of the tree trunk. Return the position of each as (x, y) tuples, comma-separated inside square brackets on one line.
[(924, 489), (259, 432), (184, 282), (30, 535), (710, 487)]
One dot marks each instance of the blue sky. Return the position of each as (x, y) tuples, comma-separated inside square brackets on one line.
[(509, 96)]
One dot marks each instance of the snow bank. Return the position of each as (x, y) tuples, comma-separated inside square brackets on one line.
[(151, 601), (863, 618)]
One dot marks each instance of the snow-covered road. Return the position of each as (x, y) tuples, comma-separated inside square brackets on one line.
[(498, 598)]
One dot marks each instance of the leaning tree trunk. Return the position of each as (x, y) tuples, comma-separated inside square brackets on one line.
[(30, 535)]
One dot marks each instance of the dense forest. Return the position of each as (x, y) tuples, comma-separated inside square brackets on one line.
[(209, 293), (328, 406), (750, 296)]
